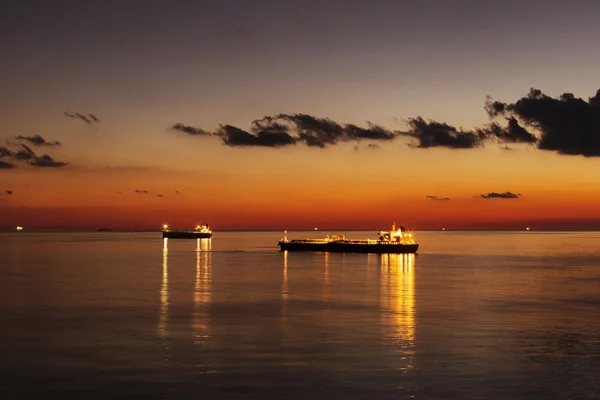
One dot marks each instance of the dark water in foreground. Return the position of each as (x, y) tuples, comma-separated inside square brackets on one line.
[(472, 316)]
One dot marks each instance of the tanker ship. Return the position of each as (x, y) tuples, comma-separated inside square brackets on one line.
[(397, 240), (199, 232)]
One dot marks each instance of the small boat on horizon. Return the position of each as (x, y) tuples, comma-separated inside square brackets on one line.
[(199, 232), (104, 229), (397, 240)]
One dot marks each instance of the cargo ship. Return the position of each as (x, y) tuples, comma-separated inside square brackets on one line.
[(397, 240), (199, 232)]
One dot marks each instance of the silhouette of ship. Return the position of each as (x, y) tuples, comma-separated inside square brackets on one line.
[(104, 229), (393, 241), (199, 232)]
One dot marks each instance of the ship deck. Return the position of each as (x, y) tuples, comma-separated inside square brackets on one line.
[(348, 246), (363, 242), (186, 234)]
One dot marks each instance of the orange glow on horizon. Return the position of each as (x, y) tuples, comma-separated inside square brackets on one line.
[(304, 194)]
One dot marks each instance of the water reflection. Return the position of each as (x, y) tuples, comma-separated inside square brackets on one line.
[(284, 292), (372, 266), (398, 296), (164, 293), (164, 302), (202, 291), (326, 284), (284, 284)]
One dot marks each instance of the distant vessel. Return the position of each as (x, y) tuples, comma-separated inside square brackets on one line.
[(393, 241), (19, 228), (527, 228), (104, 229), (199, 232)]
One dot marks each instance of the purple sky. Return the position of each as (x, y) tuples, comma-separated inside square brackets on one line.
[(340, 58)]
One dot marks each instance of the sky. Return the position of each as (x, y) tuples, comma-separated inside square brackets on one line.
[(285, 114)]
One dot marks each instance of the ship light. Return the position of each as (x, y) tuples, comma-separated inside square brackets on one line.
[(165, 226)]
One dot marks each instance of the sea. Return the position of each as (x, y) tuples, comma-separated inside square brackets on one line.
[(473, 315)]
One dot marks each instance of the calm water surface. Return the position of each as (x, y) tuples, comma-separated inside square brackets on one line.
[(473, 316)]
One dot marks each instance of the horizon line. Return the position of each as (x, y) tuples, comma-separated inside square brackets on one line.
[(13, 229)]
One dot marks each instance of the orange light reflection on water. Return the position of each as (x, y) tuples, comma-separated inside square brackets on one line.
[(398, 296)]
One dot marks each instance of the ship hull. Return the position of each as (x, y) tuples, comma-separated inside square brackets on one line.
[(337, 247), (186, 235)]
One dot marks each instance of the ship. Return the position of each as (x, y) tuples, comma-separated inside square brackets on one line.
[(199, 232), (396, 240), (104, 230)]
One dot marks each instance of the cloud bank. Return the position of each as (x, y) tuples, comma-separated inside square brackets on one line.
[(567, 125), (435, 198), (37, 140), (290, 129), (87, 118), (26, 154), (505, 195)]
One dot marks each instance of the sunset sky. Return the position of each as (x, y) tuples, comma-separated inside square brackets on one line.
[(152, 104)]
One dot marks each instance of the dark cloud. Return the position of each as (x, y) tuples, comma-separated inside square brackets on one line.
[(505, 195), (320, 132), (5, 152), (141, 191), (190, 130), (370, 146), (512, 133), (567, 124), (37, 140), (9, 192), (6, 165), (515, 133), (289, 129), (160, 195), (435, 198), (439, 134), (45, 161), (25, 153), (313, 131), (88, 119), (236, 137), (373, 132)]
